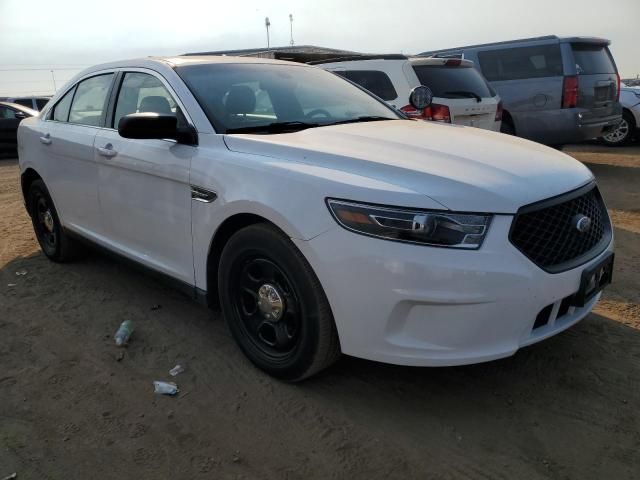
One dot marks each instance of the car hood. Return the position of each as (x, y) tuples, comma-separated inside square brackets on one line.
[(464, 169)]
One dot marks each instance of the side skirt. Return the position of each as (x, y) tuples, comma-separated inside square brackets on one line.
[(190, 291)]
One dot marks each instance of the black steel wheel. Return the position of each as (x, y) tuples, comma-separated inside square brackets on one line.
[(267, 305), (274, 304), (54, 242)]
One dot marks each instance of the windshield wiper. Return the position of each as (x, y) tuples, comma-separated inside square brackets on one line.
[(364, 118), (465, 93), (275, 127)]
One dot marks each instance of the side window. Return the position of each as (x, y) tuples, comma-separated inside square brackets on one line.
[(89, 102), (521, 62), (41, 102), (375, 81), (6, 113), (25, 102), (141, 92), (60, 112)]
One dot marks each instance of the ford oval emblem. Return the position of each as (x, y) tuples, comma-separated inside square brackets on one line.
[(582, 223)]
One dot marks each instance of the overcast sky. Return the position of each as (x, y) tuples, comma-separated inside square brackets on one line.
[(66, 35)]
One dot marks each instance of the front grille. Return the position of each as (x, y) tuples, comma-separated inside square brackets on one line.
[(547, 232)]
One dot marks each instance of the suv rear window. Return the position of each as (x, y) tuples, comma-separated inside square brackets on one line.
[(592, 59), (375, 81), (453, 81), (521, 62)]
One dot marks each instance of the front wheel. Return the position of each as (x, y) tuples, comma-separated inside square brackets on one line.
[(274, 304)]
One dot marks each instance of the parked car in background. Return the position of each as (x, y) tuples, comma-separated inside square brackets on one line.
[(555, 90), (629, 127), (319, 218), (460, 94), (34, 103), (11, 114)]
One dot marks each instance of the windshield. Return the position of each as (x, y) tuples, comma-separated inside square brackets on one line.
[(453, 82), (246, 97)]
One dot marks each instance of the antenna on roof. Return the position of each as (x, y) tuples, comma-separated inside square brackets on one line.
[(291, 25), (267, 24)]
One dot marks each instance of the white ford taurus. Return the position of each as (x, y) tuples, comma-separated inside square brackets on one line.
[(317, 217)]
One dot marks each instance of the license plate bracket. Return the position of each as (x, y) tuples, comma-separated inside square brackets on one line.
[(593, 280)]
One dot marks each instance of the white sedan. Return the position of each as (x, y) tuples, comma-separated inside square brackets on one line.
[(317, 217)]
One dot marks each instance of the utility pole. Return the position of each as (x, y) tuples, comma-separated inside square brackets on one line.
[(291, 25), (55, 89), (267, 24)]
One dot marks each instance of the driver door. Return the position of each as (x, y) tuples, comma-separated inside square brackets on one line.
[(144, 190)]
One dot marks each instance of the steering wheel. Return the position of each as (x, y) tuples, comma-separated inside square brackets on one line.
[(316, 112)]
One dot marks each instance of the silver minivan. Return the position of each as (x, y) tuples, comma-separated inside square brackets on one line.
[(554, 90)]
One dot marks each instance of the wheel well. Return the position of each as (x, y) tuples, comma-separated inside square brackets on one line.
[(26, 179), (224, 232), (630, 114), (506, 117)]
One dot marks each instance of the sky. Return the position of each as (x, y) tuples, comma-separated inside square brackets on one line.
[(38, 36)]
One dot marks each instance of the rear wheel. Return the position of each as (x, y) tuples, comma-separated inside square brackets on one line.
[(274, 304), (55, 243), (623, 133)]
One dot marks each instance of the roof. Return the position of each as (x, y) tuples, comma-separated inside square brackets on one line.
[(595, 40), (284, 50), (391, 57)]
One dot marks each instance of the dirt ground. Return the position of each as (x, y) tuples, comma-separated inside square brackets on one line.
[(70, 408)]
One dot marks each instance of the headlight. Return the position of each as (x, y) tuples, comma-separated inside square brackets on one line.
[(436, 228)]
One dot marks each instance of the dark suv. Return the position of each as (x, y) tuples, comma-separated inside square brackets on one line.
[(555, 90)]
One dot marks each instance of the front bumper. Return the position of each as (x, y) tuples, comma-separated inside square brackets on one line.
[(416, 305)]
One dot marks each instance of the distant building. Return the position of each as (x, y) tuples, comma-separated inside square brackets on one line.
[(296, 53)]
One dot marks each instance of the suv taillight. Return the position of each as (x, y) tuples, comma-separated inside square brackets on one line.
[(570, 92), (618, 92), (411, 112), (437, 113), (434, 112), (499, 111)]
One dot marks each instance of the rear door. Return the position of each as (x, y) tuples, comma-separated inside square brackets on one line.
[(597, 79), (66, 144)]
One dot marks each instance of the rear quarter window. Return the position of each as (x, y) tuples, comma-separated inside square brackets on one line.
[(25, 102), (375, 81), (592, 59), (521, 62)]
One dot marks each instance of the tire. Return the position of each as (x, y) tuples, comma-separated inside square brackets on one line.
[(507, 127), (53, 240), (623, 133), (275, 306)]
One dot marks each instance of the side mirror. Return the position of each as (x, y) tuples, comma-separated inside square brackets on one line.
[(148, 126), (420, 97), (20, 115)]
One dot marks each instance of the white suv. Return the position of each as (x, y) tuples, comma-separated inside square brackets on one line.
[(314, 215), (461, 95)]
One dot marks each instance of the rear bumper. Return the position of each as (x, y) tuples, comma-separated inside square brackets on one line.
[(562, 126)]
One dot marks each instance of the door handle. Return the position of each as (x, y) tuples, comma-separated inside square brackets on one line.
[(107, 151), (46, 139)]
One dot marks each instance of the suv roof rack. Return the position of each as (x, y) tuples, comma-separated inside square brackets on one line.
[(388, 56), (452, 54)]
